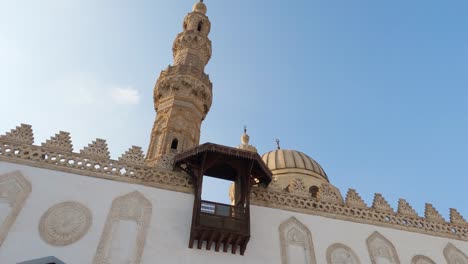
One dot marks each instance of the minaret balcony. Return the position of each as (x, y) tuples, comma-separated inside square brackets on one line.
[(187, 70)]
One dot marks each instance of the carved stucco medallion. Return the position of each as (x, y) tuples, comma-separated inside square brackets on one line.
[(65, 223)]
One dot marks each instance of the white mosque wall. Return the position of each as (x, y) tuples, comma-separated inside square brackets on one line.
[(161, 227)]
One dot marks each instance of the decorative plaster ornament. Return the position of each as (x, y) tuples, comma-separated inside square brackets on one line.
[(65, 223)]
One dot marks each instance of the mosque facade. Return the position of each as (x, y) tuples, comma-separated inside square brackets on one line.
[(59, 206)]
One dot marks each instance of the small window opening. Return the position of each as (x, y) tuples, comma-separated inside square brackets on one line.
[(174, 143), (200, 24), (313, 190)]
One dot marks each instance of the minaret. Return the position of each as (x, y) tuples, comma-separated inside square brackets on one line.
[(183, 92)]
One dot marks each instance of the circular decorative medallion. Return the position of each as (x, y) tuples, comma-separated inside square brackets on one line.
[(65, 223)]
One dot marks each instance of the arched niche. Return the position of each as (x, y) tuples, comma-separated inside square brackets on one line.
[(296, 243), (341, 254), (453, 255), (124, 235), (420, 259), (14, 189), (381, 250)]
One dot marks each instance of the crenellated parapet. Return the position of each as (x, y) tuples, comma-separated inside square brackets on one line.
[(60, 142), (22, 134), (456, 217), (405, 208), (93, 160), (380, 204), (134, 156), (354, 199), (432, 214), (97, 149)]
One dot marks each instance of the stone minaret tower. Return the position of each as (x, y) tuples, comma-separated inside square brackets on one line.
[(182, 94)]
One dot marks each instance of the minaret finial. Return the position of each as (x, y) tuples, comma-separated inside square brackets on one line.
[(245, 129), (200, 7), (278, 144)]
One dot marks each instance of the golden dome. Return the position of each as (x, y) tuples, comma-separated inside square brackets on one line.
[(286, 162)]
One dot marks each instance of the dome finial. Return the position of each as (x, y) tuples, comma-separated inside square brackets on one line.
[(245, 138), (245, 142), (278, 144)]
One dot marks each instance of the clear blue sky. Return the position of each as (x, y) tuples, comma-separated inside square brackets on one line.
[(375, 91)]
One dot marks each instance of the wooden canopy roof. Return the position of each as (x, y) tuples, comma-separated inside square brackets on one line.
[(215, 155)]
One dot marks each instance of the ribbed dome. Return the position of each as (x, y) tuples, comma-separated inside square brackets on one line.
[(291, 161)]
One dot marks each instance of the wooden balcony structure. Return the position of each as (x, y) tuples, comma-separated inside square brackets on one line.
[(219, 224)]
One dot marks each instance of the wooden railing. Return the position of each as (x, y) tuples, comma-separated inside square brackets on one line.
[(223, 210)]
